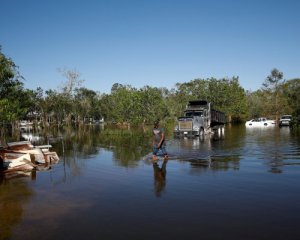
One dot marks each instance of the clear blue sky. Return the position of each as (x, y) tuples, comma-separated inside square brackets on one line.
[(150, 42)]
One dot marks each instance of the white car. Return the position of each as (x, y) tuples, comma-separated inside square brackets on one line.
[(285, 120), (260, 122)]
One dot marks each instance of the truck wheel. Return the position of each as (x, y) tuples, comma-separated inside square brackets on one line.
[(201, 132)]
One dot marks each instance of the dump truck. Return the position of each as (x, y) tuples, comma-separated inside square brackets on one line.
[(199, 119)]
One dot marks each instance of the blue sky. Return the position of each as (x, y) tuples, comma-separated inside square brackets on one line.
[(150, 42)]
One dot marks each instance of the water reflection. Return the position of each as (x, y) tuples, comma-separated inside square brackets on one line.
[(76, 146), (211, 153), (102, 179), (13, 196), (160, 173), (4, 178), (31, 134), (277, 148), (127, 146), (218, 163)]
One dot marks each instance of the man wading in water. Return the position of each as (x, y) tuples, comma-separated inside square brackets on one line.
[(158, 141)]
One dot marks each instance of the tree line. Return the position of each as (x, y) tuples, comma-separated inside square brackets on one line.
[(72, 103)]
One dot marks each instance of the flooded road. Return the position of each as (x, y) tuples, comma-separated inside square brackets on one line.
[(240, 185)]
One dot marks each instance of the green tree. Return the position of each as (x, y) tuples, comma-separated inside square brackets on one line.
[(226, 94), (291, 90), (86, 104), (152, 104), (105, 106), (123, 102), (235, 100), (58, 107), (66, 102), (274, 96), (13, 97), (255, 104), (129, 105)]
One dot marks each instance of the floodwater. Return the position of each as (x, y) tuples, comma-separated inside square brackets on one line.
[(243, 184)]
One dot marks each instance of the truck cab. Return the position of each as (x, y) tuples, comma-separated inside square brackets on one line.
[(198, 119)]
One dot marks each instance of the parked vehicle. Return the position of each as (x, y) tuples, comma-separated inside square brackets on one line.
[(199, 118), (260, 122), (285, 120)]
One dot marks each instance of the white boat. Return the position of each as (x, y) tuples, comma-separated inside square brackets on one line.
[(260, 122)]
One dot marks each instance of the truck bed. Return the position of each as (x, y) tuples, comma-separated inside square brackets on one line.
[(217, 118)]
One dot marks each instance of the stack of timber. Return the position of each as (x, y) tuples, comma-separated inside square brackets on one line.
[(23, 156)]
